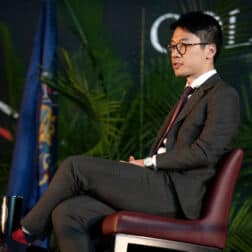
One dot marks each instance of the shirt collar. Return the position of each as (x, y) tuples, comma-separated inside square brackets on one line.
[(201, 79)]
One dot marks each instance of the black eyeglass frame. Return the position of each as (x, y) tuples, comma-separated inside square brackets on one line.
[(172, 47)]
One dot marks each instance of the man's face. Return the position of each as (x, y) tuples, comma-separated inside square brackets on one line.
[(192, 60)]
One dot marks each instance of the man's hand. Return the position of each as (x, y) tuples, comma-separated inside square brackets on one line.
[(138, 162)]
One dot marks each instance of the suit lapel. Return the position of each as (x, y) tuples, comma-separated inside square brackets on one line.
[(196, 97)]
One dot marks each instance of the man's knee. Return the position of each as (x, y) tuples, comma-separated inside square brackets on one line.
[(72, 163), (67, 167), (67, 163)]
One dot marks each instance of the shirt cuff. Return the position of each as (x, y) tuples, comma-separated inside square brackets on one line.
[(154, 162)]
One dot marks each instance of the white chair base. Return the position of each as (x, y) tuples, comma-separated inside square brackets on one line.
[(123, 240)]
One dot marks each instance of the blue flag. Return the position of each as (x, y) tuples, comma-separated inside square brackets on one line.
[(33, 162)]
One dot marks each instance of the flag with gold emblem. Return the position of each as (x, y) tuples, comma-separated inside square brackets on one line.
[(34, 155)]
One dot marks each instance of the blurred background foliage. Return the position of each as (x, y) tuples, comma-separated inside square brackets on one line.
[(106, 111), (14, 72)]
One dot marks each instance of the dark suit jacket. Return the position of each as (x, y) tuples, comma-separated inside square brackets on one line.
[(201, 134)]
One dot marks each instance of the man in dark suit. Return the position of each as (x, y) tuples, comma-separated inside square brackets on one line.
[(173, 179)]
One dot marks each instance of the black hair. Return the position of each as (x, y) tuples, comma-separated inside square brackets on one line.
[(202, 25)]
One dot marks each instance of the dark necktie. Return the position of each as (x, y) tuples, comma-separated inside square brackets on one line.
[(188, 90)]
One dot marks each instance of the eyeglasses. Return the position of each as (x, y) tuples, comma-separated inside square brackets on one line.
[(181, 47)]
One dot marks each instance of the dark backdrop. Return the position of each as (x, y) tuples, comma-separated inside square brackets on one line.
[(122, 20)]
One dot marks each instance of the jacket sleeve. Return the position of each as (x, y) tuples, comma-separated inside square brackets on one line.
[(220, 127)]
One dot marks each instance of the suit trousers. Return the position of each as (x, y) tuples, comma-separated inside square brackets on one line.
[(84, 190)]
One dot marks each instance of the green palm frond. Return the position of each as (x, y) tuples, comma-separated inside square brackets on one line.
[(81, 24), (240, 228), (91, 104)]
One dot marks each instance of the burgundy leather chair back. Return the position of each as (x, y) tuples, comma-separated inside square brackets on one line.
[(219, 197)]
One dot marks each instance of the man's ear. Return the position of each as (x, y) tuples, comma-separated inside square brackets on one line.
[(211, 51)]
